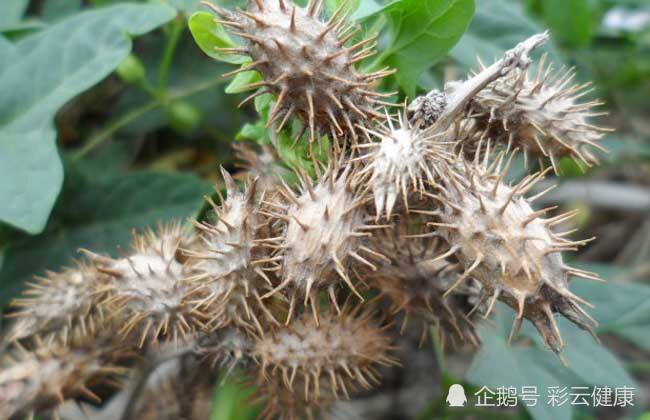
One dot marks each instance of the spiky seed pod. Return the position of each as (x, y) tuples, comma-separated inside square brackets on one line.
[(220, 263), (542, 115), (414, 284), (306, 63), (322, 230), (32, 381), (506, 245), (264, 166), (403, 161), (180, 389), (147, 291), (331, 359), (61, 304), (225, 348)]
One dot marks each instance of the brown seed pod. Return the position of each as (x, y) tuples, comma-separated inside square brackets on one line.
[(306, 63), (506, 245), (63, 304), (401, 160), (220, 262), (264, 166), (32, 381), (415, 282), (179, 389), (541, 115), (147, 291), (315, 363), (322, 230)]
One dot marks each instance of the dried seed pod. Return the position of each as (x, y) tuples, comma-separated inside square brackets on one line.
[(265, 167), (50, 374), (180, 389), (220, 262), (541, 115), (63, 304), (322, 230), (147, 291), (506, 245), (415, 282), (317, 362), (403, 161), (305, 62)]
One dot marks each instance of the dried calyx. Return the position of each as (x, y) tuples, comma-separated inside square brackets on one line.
[(308, 63)]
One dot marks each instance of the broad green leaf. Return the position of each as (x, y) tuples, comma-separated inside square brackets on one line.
[(48, 69), (369, 8), (501, 364), (621, 308), (572, 21), (11, 12), (57, 9), (497, 26), (423, 31), (97, 210), (210, 35)]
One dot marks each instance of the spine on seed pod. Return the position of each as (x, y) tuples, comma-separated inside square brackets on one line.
[(307, 63)]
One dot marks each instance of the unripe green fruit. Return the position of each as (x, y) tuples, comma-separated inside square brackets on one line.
[(183, 116), (131, 70)]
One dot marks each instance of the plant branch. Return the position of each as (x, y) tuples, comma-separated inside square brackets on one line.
[(135, 113)]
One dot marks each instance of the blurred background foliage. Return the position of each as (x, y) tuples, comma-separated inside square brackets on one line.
[(111, 118)]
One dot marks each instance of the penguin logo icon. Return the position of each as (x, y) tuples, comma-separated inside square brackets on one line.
[(456, 396)]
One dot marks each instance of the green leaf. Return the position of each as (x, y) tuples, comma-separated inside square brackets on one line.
[(97, 210), (57, 9), (370, 8), (210, 35), (572, 21), (12, 12), (48, 69), (621, 308), (239, 83), (231, 400), (423, 31), (499, 364), (497, 26)]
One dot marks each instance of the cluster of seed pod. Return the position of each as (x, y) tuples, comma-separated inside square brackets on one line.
[(308, 286)]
